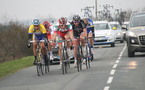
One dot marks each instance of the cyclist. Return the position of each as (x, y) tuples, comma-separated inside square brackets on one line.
[(63, 30), (79, 30), (90, 30), (48, 28), (37, 32)]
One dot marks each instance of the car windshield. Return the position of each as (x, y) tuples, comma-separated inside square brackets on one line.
[(101, 26), (138, 20), (115, 25)]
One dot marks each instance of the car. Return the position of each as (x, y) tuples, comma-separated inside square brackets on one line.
[(119, 36), (56, 58), (135, 36), (103, 33)]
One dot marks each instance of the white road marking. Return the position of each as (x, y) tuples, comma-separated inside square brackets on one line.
[(115, 65), (112, 72), (110, 80), (119, 57), (107, 88), (117, 61)]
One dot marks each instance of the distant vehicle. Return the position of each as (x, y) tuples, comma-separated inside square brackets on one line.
[(125, 25), (103, 33), (56, 57), (119, 36), (125, 28), (135, 35)]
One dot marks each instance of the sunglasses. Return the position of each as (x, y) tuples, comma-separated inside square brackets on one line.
[(36, 25), (62, 25), (76, 21)]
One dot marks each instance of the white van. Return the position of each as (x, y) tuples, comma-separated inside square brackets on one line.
[(118, 32), (104, 34)]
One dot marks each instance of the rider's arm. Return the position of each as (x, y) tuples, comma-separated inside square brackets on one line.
[(30, 32), (29, 36), (84, 29)]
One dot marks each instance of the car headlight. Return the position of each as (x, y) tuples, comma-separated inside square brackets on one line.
[(131, 34)]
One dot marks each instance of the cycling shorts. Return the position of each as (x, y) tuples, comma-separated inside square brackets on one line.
[(62, 34), (39, 36), (89, 30), (76, 34)]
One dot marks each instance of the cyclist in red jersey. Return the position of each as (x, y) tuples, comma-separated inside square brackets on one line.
[(48, 28), (63, 30)]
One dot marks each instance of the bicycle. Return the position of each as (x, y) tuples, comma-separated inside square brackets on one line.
[(79, 55), (65, 59), (48, 57), (89, 55), (40, 64)]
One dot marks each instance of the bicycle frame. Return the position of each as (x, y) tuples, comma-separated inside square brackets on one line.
[(65, 60), (39, 58)]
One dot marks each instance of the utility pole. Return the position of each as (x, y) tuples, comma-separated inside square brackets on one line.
[(87, 11), (96, 11)]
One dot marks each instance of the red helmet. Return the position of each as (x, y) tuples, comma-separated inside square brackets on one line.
[(46, 24), (62, 20)]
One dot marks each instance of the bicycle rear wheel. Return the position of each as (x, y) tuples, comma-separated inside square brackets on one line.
[(86, 56), (90, 57), (78, 61), (64, 63), (47, 67)]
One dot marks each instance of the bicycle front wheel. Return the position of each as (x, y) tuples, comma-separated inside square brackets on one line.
[(39, 69)]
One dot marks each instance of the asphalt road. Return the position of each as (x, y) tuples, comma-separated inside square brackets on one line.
[(111, 70)]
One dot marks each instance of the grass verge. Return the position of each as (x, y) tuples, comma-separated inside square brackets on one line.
[(9, 67)]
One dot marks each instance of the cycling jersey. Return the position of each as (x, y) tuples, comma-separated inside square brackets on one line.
[(61, 32), (37, 34), (41, 30), (90, 26), (77, 30)]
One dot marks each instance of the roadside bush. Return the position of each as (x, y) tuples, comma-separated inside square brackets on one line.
[(13, 41)]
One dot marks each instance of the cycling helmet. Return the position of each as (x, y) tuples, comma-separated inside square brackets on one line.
[(62, 20), (46, 24), (36, 22), (76, 18)]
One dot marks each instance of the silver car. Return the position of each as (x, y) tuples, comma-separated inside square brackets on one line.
[(135, 35)]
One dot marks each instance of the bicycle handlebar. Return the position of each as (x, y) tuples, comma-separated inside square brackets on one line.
[(37, 41)]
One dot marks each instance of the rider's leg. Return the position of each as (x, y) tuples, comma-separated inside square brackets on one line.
[(50, 46), (44, 51), (90, 35), (91, 41), (34, 52), (75, 43), (71, 36), (68, 36), (60, 53), (82, 37), (85, 32)]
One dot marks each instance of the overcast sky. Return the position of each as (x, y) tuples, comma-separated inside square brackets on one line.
[(30, 9)]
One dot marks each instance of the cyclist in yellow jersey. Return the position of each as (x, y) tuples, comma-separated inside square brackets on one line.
[(37, 32)]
